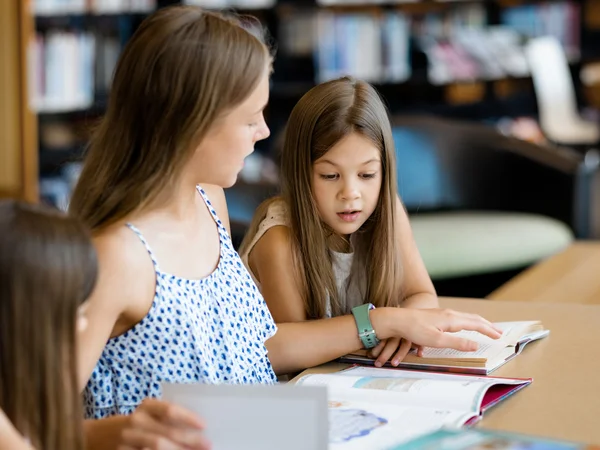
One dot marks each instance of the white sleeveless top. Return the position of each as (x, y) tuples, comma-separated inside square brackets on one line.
[(350, 294)]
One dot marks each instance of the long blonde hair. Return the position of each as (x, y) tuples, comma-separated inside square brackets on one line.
[(48, 269), (322, 117), (181, 71)]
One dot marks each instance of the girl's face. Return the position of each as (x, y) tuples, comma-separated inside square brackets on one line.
[(346, 183), (220, 157)]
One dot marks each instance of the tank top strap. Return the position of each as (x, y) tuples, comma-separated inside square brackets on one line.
[(143, 240), (213, 213)]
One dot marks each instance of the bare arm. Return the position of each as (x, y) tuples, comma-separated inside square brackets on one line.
[(299, 343), (123, 294), (297, 346), (125, 274), (10, 437), (154, 425), (419, 289), (125, 284), (272, 263)]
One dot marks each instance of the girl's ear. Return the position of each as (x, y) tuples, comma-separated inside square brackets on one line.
[(82, 320)]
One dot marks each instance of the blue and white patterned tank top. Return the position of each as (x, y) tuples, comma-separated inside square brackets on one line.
[(211, 330)]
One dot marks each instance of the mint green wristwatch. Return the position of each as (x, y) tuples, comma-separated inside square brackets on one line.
[(366, 333)]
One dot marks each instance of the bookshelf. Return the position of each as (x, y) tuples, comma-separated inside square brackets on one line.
[(18, 130), (57, 59)]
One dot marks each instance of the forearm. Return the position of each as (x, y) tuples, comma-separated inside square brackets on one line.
[(422, 300), (10, 437), (297, 346), (104, 434)]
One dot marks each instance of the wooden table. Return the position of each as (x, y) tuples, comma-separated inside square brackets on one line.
[(563, 402), (572, 276)]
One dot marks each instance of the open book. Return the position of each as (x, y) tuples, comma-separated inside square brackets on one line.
[(381, 408), (491, 354)]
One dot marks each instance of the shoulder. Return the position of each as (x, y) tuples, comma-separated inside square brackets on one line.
[(273, 250), (125, 268), (278, 210), (270, 214), (113, 245)]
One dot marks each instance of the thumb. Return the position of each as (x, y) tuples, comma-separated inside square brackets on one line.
[(375, 351)]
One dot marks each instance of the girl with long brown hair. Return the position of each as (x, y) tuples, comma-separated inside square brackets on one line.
[(48, 269), (174, 301), (338, 237)]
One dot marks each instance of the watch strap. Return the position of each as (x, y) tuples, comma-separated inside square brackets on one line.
[(366, 333)]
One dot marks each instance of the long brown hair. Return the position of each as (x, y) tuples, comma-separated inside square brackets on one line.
[(48, 269), (183, 69), (323, 116)]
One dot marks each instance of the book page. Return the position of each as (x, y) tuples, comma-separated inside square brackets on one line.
[(356, 422), (513, 332), (488, 347), (409, 388)]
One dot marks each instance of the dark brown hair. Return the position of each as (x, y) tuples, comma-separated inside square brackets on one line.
[(182, 70), (322, 117), (48, 269)]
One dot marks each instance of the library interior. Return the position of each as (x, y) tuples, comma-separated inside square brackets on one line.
[(495, 114)]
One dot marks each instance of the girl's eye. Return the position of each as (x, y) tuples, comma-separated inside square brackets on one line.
[(252, 125), (368, 176), (328, 176)]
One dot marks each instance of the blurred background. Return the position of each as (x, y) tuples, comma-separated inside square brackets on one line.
[(495, 108)]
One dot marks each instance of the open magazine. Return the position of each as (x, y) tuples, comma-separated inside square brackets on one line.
[(478, 439), (373, 408), (491, 354)]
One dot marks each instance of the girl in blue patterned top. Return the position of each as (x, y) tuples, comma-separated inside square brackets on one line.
[(173, 300)]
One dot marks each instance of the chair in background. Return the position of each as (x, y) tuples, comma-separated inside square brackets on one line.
[(557, 104)]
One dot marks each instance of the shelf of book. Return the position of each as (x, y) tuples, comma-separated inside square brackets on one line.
[(421, 55)]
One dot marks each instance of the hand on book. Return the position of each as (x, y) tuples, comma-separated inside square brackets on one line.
[(432, 328), (397, 347), (156, 424)]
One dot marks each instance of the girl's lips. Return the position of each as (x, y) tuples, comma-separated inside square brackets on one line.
[(349, 216)]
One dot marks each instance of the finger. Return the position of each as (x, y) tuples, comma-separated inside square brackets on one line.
[(447, 340), (420, 349), (390, 347), (163, 428), (375, 351), (461, 321), (127, 447), (483, 328), (402, 352), (135, 438), (144, 439), (173, 414), (465, 316)]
